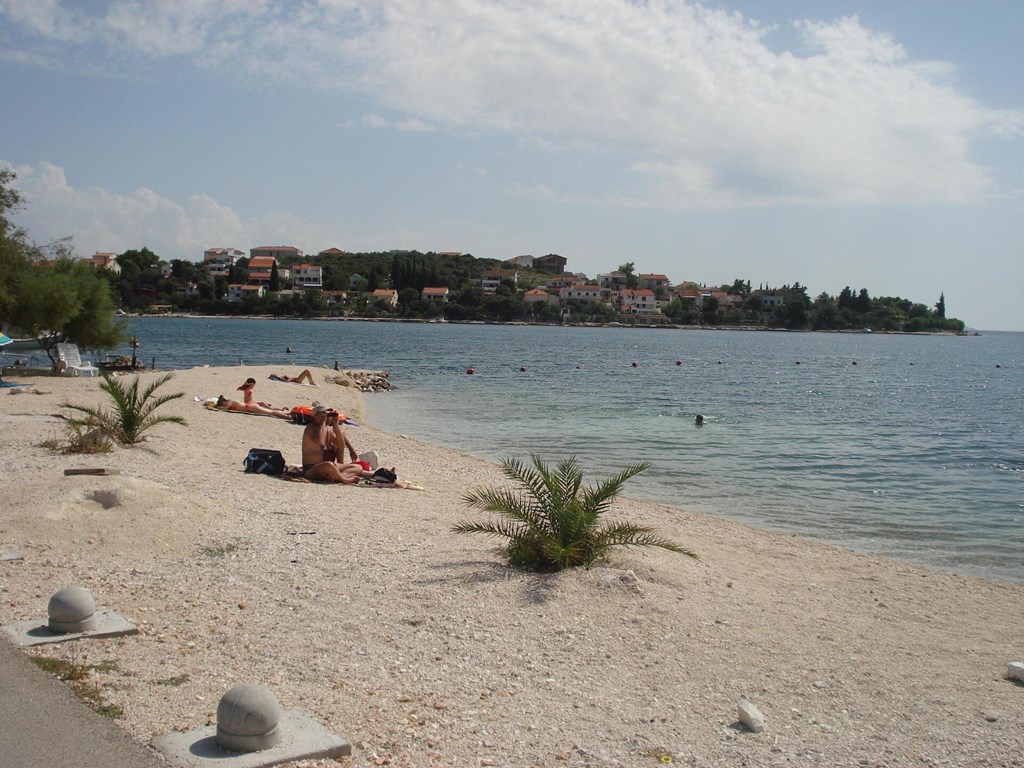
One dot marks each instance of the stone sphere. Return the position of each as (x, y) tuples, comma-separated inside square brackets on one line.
[(71, 609), (247, 719)]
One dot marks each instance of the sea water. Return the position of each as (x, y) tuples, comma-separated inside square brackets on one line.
[(904, 446)]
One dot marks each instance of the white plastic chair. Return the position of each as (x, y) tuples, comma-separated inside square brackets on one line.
[(72, 359)]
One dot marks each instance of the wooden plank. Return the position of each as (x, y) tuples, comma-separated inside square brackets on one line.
[(92, 471)]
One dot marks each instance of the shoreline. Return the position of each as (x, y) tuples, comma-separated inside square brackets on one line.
[(615, 326), (359, 606)]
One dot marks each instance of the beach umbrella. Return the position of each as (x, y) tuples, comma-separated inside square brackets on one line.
[(5, 339)]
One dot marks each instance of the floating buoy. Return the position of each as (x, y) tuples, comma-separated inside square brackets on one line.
[(470, 371), (854, 362), (634, 364), (679, 362), (522, 368), (998, 365)]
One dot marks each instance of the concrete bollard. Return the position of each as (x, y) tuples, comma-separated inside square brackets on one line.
[(71, 609), (247, 719)]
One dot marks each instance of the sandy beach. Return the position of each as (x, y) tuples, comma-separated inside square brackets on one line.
[(359, 606)]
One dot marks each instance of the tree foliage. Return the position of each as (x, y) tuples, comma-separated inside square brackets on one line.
[(45, 293)]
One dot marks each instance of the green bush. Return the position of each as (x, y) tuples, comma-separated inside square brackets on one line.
[(551, 522), (132, 413)]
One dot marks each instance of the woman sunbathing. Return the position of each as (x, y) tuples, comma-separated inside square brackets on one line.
[(227, 404), (303, 378)]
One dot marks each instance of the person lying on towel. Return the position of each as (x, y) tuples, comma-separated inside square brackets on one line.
[(227, 404), (323, 442), (303, 378)]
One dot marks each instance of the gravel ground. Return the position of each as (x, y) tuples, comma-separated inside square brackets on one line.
[(359, 606)]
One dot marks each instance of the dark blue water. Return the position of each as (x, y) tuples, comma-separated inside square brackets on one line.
[(905, 446)]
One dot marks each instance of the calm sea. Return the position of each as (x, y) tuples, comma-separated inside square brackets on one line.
[(904, 446)]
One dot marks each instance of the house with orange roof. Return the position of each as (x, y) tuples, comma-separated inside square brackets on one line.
[(104, 260), (275, 252), (307, 276), (556, 284), (334, 297), (538, 296), (387, 295), (638, 301), (652, 282), (434, 294), (218, 261), (238, 291), (259, 278)]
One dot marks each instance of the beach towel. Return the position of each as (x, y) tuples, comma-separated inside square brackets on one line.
[(303, 414)]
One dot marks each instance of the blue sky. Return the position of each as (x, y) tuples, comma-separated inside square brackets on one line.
[(864, 143)]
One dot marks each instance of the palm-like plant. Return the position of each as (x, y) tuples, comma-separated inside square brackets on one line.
[(133, 411), (552, 522)]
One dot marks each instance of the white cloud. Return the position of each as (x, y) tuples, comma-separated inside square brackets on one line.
[(694, 101), (414, 125), (104, 221), (373, 120)]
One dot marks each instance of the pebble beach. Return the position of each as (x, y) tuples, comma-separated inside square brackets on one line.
[(360, 607)]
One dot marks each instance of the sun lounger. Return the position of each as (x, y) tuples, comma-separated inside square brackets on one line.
[(72, 359)]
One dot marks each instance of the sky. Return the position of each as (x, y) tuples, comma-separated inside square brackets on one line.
[(864, 143)]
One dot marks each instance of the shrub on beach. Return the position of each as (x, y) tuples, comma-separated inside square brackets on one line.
[(132, 414), (78, 438), (551, 522)]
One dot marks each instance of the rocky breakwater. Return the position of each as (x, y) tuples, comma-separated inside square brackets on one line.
[(364, 381)]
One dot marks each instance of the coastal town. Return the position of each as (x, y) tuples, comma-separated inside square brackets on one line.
[(455, 286)]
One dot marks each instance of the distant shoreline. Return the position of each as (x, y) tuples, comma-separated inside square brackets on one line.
[(616, 326)]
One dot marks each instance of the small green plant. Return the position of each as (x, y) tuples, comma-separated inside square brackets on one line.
[(172, 682), (552, 522), (77, 676), (217, 550), (133, 412), (65, 670)]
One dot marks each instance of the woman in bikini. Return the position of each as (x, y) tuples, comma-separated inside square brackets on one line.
[(260, 409), (303, 378)]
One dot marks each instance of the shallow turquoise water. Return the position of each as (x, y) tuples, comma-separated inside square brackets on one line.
[(905, 446)]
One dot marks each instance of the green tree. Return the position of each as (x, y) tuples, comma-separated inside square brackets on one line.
[(68, 301), (940, 307), (275, 279), (552, 522), (14, 245), (629, 270), (740, 287)]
